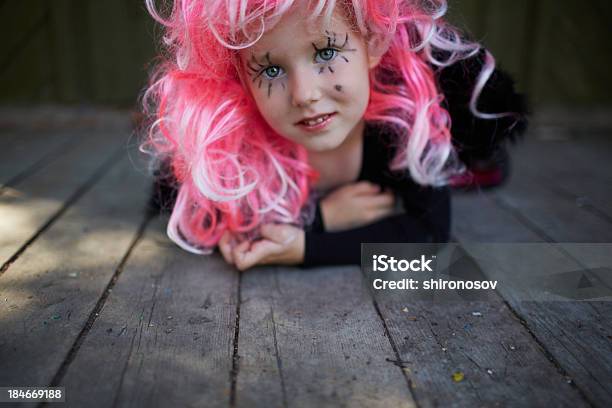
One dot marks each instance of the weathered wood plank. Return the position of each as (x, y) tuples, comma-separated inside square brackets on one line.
[(313, 338), (50, 290), (585, 357), (580, 169), (556, 215), (28, 152), (500, 362), (467, 350), (26, 207), (8, 136), (165, 335)]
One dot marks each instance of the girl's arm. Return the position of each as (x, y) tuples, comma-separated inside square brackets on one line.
[(426, 219)]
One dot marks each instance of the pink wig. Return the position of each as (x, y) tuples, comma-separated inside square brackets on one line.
[(234, 171)]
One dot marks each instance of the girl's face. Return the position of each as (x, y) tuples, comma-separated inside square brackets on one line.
[(310, 82)]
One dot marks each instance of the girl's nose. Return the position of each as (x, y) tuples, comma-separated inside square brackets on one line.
[(304, 88)]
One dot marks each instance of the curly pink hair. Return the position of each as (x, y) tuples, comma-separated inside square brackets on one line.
[(234, 171)]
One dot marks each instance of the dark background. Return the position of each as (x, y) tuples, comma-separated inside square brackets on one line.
[(96, 52)]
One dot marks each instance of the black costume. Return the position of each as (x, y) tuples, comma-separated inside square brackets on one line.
[(426, 216)]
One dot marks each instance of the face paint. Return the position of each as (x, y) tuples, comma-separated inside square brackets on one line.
[(292, 60), (267, 70)]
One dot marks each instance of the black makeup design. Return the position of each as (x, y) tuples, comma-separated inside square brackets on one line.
[(267, 69), (331, 51), (338, 88), (258, 70)]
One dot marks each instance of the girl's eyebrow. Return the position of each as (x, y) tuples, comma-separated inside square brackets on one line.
[(255, 61), (327, 37)]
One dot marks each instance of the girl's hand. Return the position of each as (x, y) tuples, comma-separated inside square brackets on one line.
[(355, 205), (280, 244)]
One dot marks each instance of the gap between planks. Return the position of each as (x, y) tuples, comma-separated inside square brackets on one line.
[(57, 378), (515, 213), (38, 164), (98, 174)]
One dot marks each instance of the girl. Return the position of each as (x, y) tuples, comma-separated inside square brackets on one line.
[(286, 130)]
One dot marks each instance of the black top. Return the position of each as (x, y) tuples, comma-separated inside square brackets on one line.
[(426, 216)]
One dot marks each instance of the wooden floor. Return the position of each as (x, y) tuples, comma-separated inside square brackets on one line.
[(95, 298)]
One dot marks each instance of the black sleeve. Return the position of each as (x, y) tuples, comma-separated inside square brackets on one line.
[(317, 224), (473, 137), (426, 219)]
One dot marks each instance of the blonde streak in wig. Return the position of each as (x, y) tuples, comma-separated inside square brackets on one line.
[(438, 154), (329, 11), (419, 136), (359, 17), (169, 38), (159, 142), (454, 42), (242, 18), (232, 16), (286, 184), (458, 49), (440, 11), (203, 178), (173, 228), (223, 42), (467, 50), (422, 129), (150, 6), (203, 168), (282, 7), (205, 128), (435, 161), (283, 177), (226, 122), (483, 77), (427, 30), (318, 9)]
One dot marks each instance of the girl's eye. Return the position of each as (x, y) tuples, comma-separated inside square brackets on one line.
[(272, 72), (327, 54)]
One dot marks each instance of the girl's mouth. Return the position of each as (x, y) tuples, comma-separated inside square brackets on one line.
[(317, 123)]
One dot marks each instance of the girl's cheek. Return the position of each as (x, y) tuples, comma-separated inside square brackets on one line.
[(272, 109), (269, 93)]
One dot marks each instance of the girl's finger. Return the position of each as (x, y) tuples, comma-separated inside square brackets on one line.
[(281, 234), (239, 250), (383, 200), (365, 187), (380, 213), (257, 254), (225, 247)]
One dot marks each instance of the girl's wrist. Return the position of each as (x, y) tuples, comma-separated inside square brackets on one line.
[(299, 247), (327, 214)]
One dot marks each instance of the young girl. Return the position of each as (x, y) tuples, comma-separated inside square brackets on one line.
[(288, 131)]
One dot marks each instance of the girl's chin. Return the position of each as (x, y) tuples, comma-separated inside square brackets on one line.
[(322, 144)]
